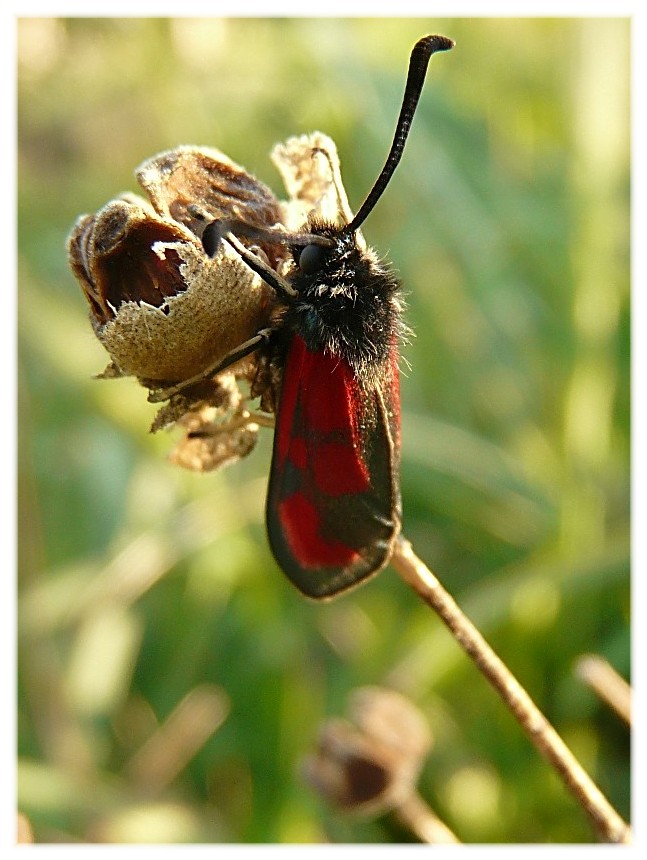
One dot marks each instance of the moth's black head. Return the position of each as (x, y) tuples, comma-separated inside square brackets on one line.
[(313, 261), (337, 270), (311, 258)]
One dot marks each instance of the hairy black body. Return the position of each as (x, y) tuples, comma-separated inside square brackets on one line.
[(351, 305)]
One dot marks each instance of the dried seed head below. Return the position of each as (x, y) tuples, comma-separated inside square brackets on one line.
[(369, 764)]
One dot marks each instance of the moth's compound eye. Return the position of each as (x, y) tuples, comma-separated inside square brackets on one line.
[(211, 238), (312, 259)]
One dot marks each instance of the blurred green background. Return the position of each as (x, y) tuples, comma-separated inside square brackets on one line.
[(148, 596)]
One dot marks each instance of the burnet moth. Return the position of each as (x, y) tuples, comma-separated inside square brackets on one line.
[(333, 506)]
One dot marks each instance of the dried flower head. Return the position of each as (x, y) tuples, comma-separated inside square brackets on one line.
[(168, 313), (370, 765), (163, 309)]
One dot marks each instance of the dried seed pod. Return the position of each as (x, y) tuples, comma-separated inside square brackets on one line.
[(190, 185), (163, 309), (371, 766), (392, 720), (166, 312)]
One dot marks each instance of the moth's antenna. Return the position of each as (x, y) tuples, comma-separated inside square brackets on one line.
[(420, 56)]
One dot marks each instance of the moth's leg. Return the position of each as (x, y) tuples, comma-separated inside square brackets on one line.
[(157, 395), (267, 273)]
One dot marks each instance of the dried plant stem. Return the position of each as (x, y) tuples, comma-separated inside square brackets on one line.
[(603, 679), (608, 825), (423, 822)]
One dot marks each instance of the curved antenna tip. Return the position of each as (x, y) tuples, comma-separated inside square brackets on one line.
[(435, 43), (418, 62)]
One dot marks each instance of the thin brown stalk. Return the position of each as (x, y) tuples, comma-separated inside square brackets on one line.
[(603, 679), (608, 825), (422, 821)]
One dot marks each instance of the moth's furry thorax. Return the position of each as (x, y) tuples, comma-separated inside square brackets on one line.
[(351, 307)]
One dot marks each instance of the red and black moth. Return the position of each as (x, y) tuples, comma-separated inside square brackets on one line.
[(333, 506)]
